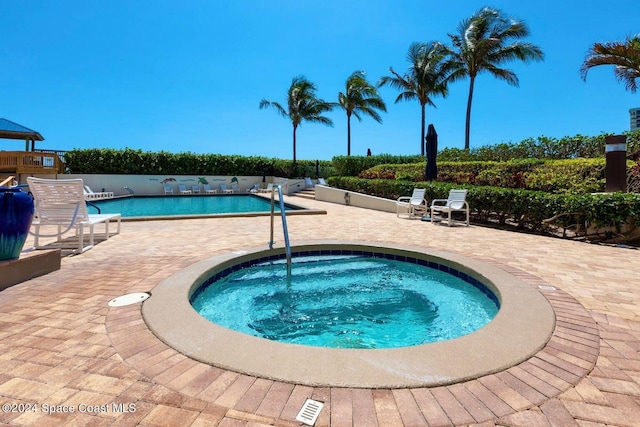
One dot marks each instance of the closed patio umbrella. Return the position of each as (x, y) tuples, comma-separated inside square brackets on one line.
[(431, 171)]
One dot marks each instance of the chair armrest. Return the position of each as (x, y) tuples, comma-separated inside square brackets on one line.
[(433, 202), (459, 205), (403, 199)]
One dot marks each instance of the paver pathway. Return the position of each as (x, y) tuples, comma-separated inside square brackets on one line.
[(63, 348)]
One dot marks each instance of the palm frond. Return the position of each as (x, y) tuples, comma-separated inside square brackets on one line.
[(624, 56)]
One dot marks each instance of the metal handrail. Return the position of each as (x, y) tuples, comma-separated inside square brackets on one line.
[(284, 224)]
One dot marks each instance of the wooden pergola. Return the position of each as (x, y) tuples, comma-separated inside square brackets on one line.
[(11, 130), (28, 161)]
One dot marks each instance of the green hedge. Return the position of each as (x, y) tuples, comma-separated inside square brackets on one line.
[(523, 208), (569, 147), (556, 176), (542, 147), (353, 165), (128, 161)]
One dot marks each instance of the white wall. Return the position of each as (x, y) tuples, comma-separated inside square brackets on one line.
[(149, 185), (344, 197)]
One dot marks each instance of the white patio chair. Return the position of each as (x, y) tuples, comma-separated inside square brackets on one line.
[(168, 189), (253, 189), (266, 190), (414, 205), (308, 183), (61, 203), (89, 194), (226, 189), (321, 181), (456, 202), (195, 188), (208, 190), (183, 189)]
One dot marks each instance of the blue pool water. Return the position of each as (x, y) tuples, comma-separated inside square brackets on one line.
[(183, 205), (347, 301)]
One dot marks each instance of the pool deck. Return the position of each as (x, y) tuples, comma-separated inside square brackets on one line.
[(64, 348)]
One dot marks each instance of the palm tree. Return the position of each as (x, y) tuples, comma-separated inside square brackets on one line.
[(483, 43), (302, 105), (360, 96), (625, 56), (427, 76)]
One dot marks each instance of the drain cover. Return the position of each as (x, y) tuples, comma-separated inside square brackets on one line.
[(547, 288), (309, 412), (128, 299)]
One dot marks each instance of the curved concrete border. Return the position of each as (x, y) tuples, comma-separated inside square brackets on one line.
[(521, 328)]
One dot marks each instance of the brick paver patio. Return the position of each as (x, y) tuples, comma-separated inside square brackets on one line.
[(62, 347)]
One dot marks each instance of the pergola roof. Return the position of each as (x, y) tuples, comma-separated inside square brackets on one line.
[(11, 130)]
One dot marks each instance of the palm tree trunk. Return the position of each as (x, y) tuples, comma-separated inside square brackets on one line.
[(348, 134), (294, 143), (422, 131), (468, 122)]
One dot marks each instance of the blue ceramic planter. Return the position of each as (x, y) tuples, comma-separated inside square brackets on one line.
[(16, 214)]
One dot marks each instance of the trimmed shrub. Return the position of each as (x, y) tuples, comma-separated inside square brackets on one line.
[(128, 161), (522, 208), (557, 176)]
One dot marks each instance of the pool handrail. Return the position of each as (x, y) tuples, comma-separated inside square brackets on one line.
[(287, 245)]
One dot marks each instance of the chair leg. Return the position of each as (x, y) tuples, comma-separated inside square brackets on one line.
[(80, 235)]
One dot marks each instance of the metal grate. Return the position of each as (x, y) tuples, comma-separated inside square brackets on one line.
[(547, 288), (309, 412)]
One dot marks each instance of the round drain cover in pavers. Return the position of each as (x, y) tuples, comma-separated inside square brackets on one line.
[(128, 299)]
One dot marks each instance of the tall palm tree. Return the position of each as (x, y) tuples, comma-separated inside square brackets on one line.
[(302, 105), (426, 77), (485, 41), (624, 56), (360, 96)]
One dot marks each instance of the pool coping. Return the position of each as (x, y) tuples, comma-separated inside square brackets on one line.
[(522, 327)]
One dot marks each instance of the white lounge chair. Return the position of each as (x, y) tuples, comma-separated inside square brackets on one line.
[(414, 205), (89, 194), (253, 189), (266, 190), (208, 190), (308, 183), (183, 189), (61, 203), (226, 189), (321, 181), (454, 203), (195, 188), (168, 189)]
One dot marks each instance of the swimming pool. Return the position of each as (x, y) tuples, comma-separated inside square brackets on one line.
[(180, 206), (347, 301)]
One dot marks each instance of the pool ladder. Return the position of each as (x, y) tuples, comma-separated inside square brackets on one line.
[(287, 245)]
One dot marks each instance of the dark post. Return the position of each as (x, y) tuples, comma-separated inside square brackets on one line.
[(616, 163)]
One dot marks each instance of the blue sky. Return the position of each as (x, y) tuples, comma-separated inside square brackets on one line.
[(189, 75)]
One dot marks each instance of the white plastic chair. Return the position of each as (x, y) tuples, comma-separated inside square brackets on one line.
[(61, 203), (321, 181), (308, 183), (456, 202), (266, 190), (89, 194), (226, 189), (414, 205), (168, 189), (195, 188), (208, 190), (183, 189)]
